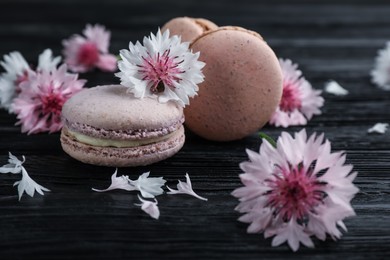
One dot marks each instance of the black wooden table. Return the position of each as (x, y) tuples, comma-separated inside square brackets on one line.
[(329, 40)]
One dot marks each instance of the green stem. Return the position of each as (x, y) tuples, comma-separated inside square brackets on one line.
[(268, 139)]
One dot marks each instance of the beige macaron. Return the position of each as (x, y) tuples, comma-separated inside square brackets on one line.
[(242, 87), (188, 28)]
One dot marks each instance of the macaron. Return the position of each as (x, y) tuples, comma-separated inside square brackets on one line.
[(242, 86), (107, 126), (188, 28)]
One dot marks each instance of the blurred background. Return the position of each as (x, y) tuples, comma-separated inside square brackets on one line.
[(319, 35)]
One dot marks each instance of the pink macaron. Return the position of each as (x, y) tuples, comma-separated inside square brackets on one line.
[(107, 126), (188, 28), (242, 86)]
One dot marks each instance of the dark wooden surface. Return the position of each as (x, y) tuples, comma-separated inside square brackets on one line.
[(329, 39)]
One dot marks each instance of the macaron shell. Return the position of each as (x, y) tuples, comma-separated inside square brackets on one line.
[(207, 25), (123, 157), (188, 28), (242, 87), (113, 107)]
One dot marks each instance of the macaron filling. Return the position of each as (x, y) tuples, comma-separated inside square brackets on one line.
[(134, 134), (101, 142)]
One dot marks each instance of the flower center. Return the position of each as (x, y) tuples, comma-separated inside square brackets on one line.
[(295, 193), (88, 54), (162, 71), (52, 103), (290, 97)]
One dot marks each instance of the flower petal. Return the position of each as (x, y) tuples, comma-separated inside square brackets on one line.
[(148, 186), (150, 207), (299, 100), (334, 88), (28, 185), (121, 182), (185, 188)]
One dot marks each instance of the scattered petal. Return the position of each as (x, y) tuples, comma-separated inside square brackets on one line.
[(163, 66), (295, 190), (42, 95), (185, 188), (149, 187), (149, 207), (334, 88), (121, 182), (380, 74), (83, 53), (14, 165), (28, 185), (300, 102), (379, 128)]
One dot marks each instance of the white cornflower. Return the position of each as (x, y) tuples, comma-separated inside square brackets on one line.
[(162, 66)]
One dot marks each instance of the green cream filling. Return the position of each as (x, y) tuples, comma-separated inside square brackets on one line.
[(115, 143)]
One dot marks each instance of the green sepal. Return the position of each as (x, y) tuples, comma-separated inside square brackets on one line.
[(267, 138)]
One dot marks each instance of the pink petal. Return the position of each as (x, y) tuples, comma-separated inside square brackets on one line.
[(107, 62)]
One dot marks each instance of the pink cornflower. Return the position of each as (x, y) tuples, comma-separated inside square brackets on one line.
[(299, 100), (16, 72), (163, 66), (39, 104), (295, 190), (85, 53)]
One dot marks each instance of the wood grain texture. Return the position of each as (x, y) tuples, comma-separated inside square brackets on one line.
[(329, 40)]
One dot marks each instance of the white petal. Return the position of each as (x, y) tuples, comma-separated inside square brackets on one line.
[(334, 88), (121, 182), (10, 168), (14, 64), (293, 233), (14, 165), (379, 128), (149, 186), (46, 61), (150, 207), (185, 188), (28, 185), (380, 73)]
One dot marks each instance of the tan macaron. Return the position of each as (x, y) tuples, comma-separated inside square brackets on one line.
[(188, 28), (242, 87)]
